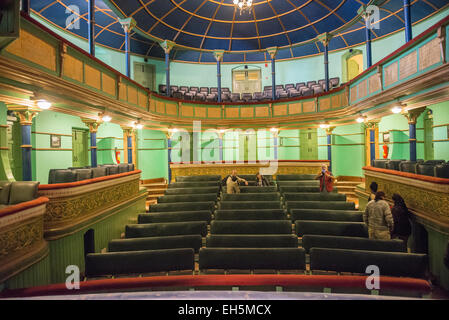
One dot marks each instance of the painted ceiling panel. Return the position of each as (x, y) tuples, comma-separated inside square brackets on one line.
[(196, 25)]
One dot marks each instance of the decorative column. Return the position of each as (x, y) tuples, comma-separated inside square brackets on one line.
[(329, 146), (372, 141), (169, 155), (407, 21), (218, 54), (91, 26), (220, 146), (272, 52), (26, 7), (25, 115), (128, 24), (325, 38), (128, 133), (167, 46), (412, 117), (275, 144), (367, 17), (93, 128)]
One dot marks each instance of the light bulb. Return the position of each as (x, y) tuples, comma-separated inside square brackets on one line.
[(396, 110), (139, 126), (274, 130), (324, 126), (43, 104), (360, 119), (106, 118)]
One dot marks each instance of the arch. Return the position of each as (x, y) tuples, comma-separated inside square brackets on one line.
[(352, 64)]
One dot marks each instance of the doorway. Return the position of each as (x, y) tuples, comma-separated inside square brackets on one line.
[(80, 144), (308, 144), (246, 81)]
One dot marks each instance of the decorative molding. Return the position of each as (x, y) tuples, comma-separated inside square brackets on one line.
[(413, 114), (24, 113), (92, 124)]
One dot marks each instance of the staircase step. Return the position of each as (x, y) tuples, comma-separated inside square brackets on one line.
[(154, 185), (156, 191)]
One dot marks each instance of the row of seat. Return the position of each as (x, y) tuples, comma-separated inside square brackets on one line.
[(12, 193), (432, 168), (301, 89), (83, 173), (321, 259)]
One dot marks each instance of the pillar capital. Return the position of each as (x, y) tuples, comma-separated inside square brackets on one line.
[(24, 113), (324, 38), (92, 124), (272, 51), (127, 24), (218, 55), (371, 124), (413, 114), (167, 45), (330, 130)]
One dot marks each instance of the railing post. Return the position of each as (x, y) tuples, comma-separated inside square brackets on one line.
[(167, 46), (218, 54), (272, 52)]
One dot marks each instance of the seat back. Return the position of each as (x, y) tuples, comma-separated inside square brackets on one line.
[(331, 228), (198, 178), (251, 241), (23, 191), (123, 167), (99, 172), (295, 177), (354, 243), (249, 205), (250, 227), (326, 215), (380, 163), (64, 176), (83, 174), (156, 243), (131, 262), (442, 170), (389, 263), (393, 164), (334, 205), (5, 188), (187, 198), (272, 196), (166, 229), (250, 214), (182, 206), (320, 196), (177, 191), (425, 169), (175, 216)]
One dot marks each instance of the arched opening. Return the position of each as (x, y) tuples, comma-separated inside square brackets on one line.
[(352, 64)]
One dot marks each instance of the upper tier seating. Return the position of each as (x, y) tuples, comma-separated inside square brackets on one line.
[(12, 193), (79, 174), (442, 170), (252, 258), (210, 94), (354, 243), (356, 261), (118, 263), (433, 168), (156, 243), (331, 228)]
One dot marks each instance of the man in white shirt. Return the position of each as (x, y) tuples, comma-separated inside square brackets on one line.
[(232, 183)]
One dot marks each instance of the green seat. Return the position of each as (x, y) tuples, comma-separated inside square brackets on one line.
[(252, 258), (295, 177), (99, 172), (250, 227), (254, 189), (252, 177), (299, 183), (354, 243), (331, 228), (5, 187), (117, 263), (156, 243), (83, 174), (183, 206), (320, 196), (64, 176), (187, 198), (23, 191), (198, 178), (175, 216), (252, 241), (326, 215), (251, 214), (334, 205), (200, 190), (272, 196), (233, 205), (356, 261), (197, 184), (166, 229), (295, 189)]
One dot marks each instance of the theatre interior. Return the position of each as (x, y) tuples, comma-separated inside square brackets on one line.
[(121, 121)]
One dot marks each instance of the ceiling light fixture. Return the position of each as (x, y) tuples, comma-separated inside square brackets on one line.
[(106, 118), (274, 129), (396, 109), (44, 104), (324, 125), (243, 5)]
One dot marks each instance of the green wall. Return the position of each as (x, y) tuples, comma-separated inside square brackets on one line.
[(440, 133), (152, 155), (348, 150)]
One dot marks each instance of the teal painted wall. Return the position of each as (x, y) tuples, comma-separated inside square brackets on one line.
[(289, 145), (109, 137), (440, 133), (348, 150), (152, 155)]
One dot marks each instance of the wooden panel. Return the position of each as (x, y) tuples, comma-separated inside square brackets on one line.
[(336, 101), (294, 108), (247, 112), (429, 54), (109, 84), (160, 107), (232, 112), (152, 105), (308, 106), (31, 48), (325, 104), (92, 77), (214, 112), (143, 99), (374, 83), (187, 111), (353, 93), (363, 89), (123, 95), (171, 109), (408, 65), (391, 74), (73, 68), (200, 112), (132, 95), (262, 112), (280, 110)]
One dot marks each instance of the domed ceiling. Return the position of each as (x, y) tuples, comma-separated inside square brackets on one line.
[(200, 26)]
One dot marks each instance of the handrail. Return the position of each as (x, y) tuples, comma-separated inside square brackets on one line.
[(408, 175), (23, 206)]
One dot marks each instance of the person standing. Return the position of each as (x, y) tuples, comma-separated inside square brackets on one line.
[(402, 227), (326, 179), (373, 187), (378, 218), (232, 183)]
